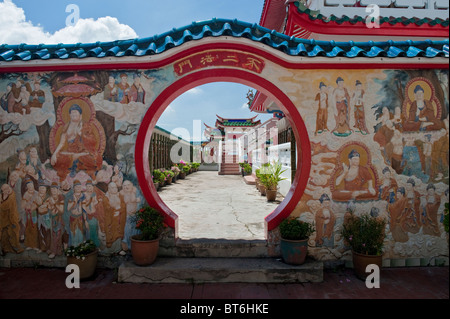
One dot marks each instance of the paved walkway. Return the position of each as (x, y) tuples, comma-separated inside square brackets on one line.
[(210, 205), (395, 283)]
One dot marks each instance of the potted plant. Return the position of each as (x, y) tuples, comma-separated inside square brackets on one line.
[(195, 166), (84, 255), (159, 178), (176, 172), (145, 245), (365, 235), (181, 166), (247, 169), (294, 240), (271, 180), (169, 176)]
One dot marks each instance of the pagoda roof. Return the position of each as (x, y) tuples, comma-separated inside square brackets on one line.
[(222, 27), (308, 21), (224, 122)]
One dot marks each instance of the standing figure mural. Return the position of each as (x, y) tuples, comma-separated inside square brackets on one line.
[(325, 220), (9, 222), (358, 104), (322, 109), (342, 99)]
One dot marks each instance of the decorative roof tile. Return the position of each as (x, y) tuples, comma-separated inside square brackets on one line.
[(224, 27)]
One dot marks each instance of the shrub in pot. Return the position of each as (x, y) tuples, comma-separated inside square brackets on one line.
[(294, 240), (365, 235)]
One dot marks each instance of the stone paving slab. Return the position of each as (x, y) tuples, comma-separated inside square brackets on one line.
[(216, 270), (210, 205)]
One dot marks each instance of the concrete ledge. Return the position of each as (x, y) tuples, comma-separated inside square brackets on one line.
[(250, 180), (213, 270)]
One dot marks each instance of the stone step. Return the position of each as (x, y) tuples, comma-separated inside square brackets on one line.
[(224, 270), (207, 248)]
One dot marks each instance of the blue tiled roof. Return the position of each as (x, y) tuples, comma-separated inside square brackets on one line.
[(223, 27)]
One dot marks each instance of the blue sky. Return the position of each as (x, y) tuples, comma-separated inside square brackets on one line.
[(44, 21)]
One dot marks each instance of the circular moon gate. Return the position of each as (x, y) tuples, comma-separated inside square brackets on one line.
[(285, 208)]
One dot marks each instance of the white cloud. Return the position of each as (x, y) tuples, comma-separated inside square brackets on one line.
[(194, 91), (245, 106), (16, 29)]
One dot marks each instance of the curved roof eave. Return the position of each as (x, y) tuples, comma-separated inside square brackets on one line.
[(219, 28)]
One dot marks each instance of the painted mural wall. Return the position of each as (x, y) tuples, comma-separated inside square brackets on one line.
[(379, 145), (67, 160)]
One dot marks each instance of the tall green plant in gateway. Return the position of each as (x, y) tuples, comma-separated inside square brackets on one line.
[(273, 172)]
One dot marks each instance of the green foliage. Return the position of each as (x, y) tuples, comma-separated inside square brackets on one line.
[(294, 229), (80, 251), (150, 223), (272, 175), (364, 234), (169, 173), (195, 165), (158, 176), (247, 168)]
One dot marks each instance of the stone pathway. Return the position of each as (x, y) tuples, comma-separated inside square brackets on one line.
[(217, 206)]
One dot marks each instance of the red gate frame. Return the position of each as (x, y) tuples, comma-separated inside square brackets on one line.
[(247, 78)]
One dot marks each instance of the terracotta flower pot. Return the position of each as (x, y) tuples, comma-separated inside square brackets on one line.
[(361, 261), (271, 194), (144, 252), (262, 190), (294, 252), (87, 266), (182, 175)]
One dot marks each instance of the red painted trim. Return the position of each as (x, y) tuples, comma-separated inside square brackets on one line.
[(304, 65), (346, 28), (195, 79)]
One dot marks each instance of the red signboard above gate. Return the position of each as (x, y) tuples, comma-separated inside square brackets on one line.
[(219, 58)]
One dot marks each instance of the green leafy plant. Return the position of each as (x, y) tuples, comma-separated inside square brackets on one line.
[(294, 229), (273, 175), (169, 173), (364, 234), (247, 168), (158, 176), (195, 165), (186, 168), (149, 222), (80, 251)]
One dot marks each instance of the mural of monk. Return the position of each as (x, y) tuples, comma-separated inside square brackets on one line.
[(89, 205), (44, 226), (77, 218), (137, 92), (77, 147), (429, 215), (412, 222), (421, 115), (440, 155), (29, 204), (388, 187), (115, 211), (358, 104), (9, 222), (110, 92), (398, 213), (37, 96), (357, 180), (123, 89), (322, 109), (342, 99), (325, 220), (55, 206)]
